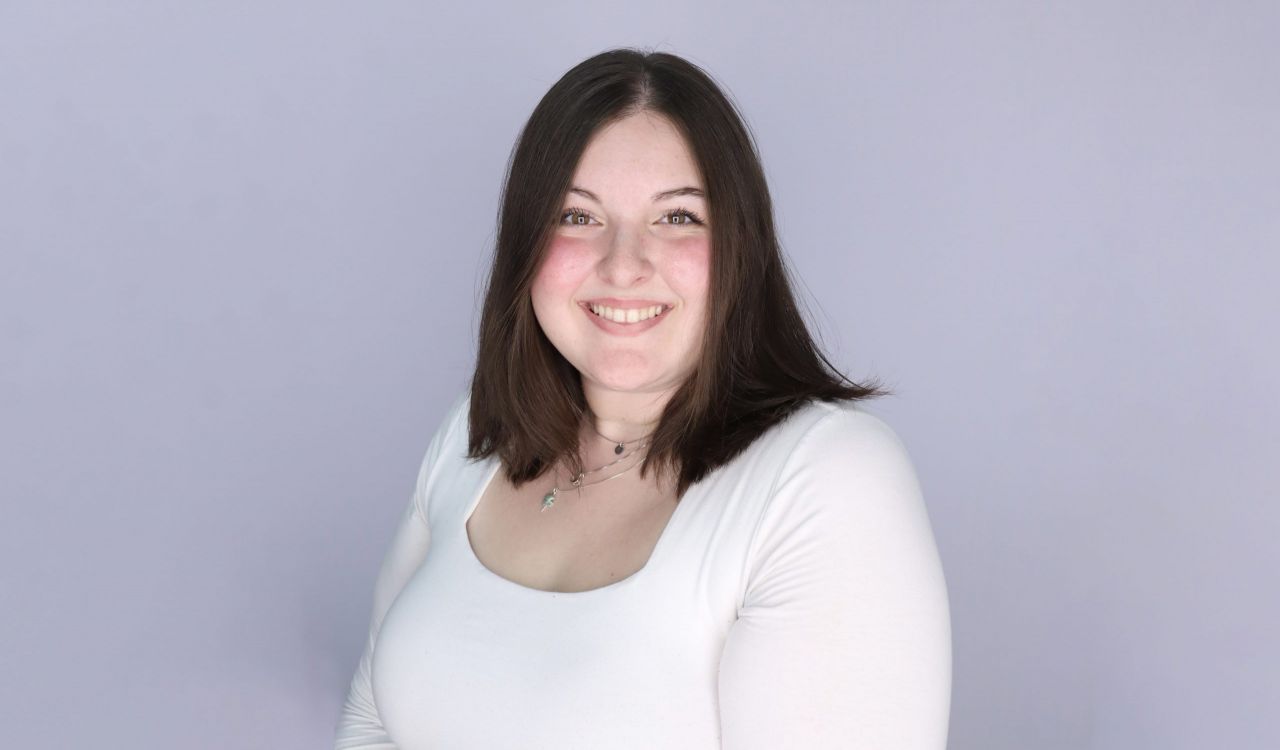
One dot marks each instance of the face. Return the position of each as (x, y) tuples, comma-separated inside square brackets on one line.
[(627, 241)]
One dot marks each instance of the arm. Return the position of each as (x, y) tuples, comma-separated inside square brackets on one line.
[(844, 637), (359, 726)]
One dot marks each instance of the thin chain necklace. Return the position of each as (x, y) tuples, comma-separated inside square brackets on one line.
[(549, 499)]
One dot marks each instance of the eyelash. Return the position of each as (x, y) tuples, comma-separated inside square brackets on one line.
[(673, 212)]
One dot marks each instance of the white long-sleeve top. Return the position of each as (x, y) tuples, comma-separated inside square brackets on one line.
[(796, 599)]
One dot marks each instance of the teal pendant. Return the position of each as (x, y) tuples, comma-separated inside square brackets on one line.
[(549, 499)]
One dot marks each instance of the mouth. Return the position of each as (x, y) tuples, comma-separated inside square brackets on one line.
[(625, 328)]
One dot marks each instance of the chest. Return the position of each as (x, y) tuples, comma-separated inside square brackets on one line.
[(582, 542)]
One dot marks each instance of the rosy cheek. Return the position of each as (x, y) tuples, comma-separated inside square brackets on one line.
[(690, 265), (567, 262)]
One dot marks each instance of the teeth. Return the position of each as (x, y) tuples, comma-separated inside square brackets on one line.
[(627, 316)]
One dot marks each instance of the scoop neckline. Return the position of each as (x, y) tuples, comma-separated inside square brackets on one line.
[(492, 465)]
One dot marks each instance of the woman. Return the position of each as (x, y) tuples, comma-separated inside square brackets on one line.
[(657, 518)]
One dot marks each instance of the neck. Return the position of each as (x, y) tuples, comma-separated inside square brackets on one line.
[(623, 416)]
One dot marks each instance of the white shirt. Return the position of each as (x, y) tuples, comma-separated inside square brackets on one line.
[(795, 600)]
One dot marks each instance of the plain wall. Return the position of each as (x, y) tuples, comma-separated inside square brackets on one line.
[(241, 255)]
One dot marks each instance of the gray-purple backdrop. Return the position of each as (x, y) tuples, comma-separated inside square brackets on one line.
[(241, 247)]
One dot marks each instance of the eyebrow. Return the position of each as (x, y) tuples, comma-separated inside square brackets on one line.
[(675, 193)]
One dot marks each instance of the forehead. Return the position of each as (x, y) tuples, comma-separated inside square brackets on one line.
[(637, 152)]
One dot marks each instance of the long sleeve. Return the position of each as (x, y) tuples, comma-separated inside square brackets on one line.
[(843, 639), (359, 726)]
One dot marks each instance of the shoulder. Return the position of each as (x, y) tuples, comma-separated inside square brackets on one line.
[(844, 438), (846, 500), (448, 441), (455, 417), (846, 472), (814, 453)]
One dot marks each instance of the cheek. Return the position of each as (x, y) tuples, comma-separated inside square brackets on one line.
[(689, 270), (566, 265)]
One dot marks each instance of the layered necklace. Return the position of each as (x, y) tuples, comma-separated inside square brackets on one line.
[(577, 481)]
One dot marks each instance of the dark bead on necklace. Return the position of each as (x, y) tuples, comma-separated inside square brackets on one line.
[(617, 449)]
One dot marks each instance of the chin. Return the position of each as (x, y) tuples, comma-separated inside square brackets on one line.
[(622, 378), (624, 384)]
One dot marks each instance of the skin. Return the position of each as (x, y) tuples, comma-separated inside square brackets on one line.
[(626, 245)]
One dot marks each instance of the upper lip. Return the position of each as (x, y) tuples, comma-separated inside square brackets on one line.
[(625, 304)]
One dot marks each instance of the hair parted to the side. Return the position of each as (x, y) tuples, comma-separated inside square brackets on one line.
[(758, 362)]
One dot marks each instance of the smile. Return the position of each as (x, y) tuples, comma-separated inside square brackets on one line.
[(637, 326)]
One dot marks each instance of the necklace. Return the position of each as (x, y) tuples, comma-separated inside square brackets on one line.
[(617, 448), (549, 499)]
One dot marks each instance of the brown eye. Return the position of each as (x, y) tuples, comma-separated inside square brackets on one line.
[(576, 217), (682, 217)]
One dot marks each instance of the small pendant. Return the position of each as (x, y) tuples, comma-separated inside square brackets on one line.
[(549, 499), (617, 450)]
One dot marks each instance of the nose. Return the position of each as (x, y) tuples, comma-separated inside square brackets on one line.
[(626, 260)]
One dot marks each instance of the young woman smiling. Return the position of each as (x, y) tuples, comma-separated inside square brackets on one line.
[(658, 517)]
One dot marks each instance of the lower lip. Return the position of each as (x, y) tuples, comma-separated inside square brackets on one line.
[(625, 329)]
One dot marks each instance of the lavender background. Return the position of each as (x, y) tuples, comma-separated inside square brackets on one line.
[(241, 248)]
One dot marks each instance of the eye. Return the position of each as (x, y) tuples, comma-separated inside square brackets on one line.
[(684, 216), (576, 216)]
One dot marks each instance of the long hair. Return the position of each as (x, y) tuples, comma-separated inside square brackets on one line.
[(758, 362)]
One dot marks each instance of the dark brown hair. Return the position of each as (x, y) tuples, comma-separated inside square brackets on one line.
[(758, 362)]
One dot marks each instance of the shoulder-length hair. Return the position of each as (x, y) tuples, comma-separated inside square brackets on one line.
[(758, 361)]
